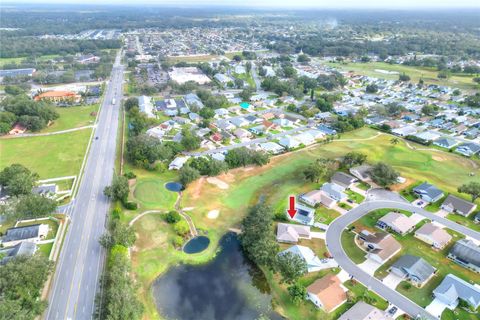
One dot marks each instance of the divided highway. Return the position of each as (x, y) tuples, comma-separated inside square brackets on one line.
[(334, 244), (78, 271)]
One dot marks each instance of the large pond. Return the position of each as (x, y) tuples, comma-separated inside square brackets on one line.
[(229, 287)]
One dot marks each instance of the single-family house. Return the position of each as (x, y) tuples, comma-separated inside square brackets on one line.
[(334, 191), (239, 122), (327, 130), (361, 172), (291, 233), (363, 311), (156, 132), (289, 142), (405, 131), (453, 289), (476, 219), (218, 156), (316, 197), (381, 246), (33, 233), (327, 293), (242, 133), (258, 130), (145, 105), (177, 163), (221, 112), (414, 269), (466, 253), (216, 137), (59, 96), (305, 215), (271, 147), (305, 138), (468, 149), (316, 134), (306, 254), (282, 122), (397, 222), (48, 190), (343, 179), (192, 99), (223, 79), (24, 248), (253, 120), (435, 236), (458, 205), (445, 142), (428, 192)]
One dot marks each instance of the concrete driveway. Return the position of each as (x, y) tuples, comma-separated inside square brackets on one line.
[(392, 280), (369, 266), (436, 308)]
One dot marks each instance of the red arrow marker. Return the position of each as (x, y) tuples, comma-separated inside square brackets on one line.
[(291, 210)]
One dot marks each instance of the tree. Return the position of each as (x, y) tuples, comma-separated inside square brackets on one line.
[(471, 188), (118, 190), (323, 105), (206, 113), (317, 170), (248, 66), (172, 217), (303, 58), (404, 77), (189, 140), (181, 228), (371, 88), (291, 267), (18, 179), (383, 174), (144, 150), (118, 234), (297, 292), (430, 110), (21, 281), (188, 174), (131, 103), (246, 94), (257, 239), (34, 206), (353, 159), (394, 141)]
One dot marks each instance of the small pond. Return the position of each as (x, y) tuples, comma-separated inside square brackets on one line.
[(174, 186), (197, 244), (228, 287)]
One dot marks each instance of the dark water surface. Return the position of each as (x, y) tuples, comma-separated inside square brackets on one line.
[(197, 244), (174, 186), (230, 287)]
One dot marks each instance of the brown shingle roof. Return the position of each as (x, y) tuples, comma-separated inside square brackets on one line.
[(328, 289)]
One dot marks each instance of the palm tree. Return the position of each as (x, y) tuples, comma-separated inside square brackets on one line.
[(394, 141)]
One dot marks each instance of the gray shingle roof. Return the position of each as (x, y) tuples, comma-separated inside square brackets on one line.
[(428, 189), (414, 266), (23, 248), (459, 204), (20, 233), (452, 288), (466, 250)]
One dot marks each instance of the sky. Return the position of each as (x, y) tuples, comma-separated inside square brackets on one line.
[(413, 4)]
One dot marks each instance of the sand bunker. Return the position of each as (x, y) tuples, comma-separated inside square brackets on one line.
[(438, 158), (188, 208), (217, 182), (213, 214)]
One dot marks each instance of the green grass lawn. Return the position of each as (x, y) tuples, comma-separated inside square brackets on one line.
[(465, 221), (356, 254), (45, 249), (459, 314), (49, 156), (72, 117), (429, 75), (363, 185), (355, 197), (18, 60), (325, 215)]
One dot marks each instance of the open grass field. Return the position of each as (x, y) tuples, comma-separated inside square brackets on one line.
[(4, 61), (429, 75), (193, 59), (154, 253), (50, 156), (72, 117)]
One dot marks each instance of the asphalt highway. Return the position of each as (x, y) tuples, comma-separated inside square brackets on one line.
[(79, 267), (334, 244)]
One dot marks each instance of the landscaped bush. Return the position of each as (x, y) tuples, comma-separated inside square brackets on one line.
[(130, 205), (172, 217), (177, 241), (181, 228), (130, 175)]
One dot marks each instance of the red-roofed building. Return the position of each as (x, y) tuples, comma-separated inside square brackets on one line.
[(58, 96)]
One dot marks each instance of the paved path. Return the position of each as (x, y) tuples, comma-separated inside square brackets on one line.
[(334, 245), (77, 274), (23, 135), (191, 225)]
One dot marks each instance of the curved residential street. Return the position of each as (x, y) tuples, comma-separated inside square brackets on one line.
[(381, 200)]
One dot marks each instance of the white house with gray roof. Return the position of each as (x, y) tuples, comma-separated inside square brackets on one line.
[(445, 142), (334, 191), (413, 268), (458, 205), (452, 289), (33, 233), (468, 149), (24, 248), (428, 192), (291, 233)]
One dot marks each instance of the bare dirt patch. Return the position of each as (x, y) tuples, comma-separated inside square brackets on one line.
[(437, 157), (217, 182), (197, 188), (401, 186)]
